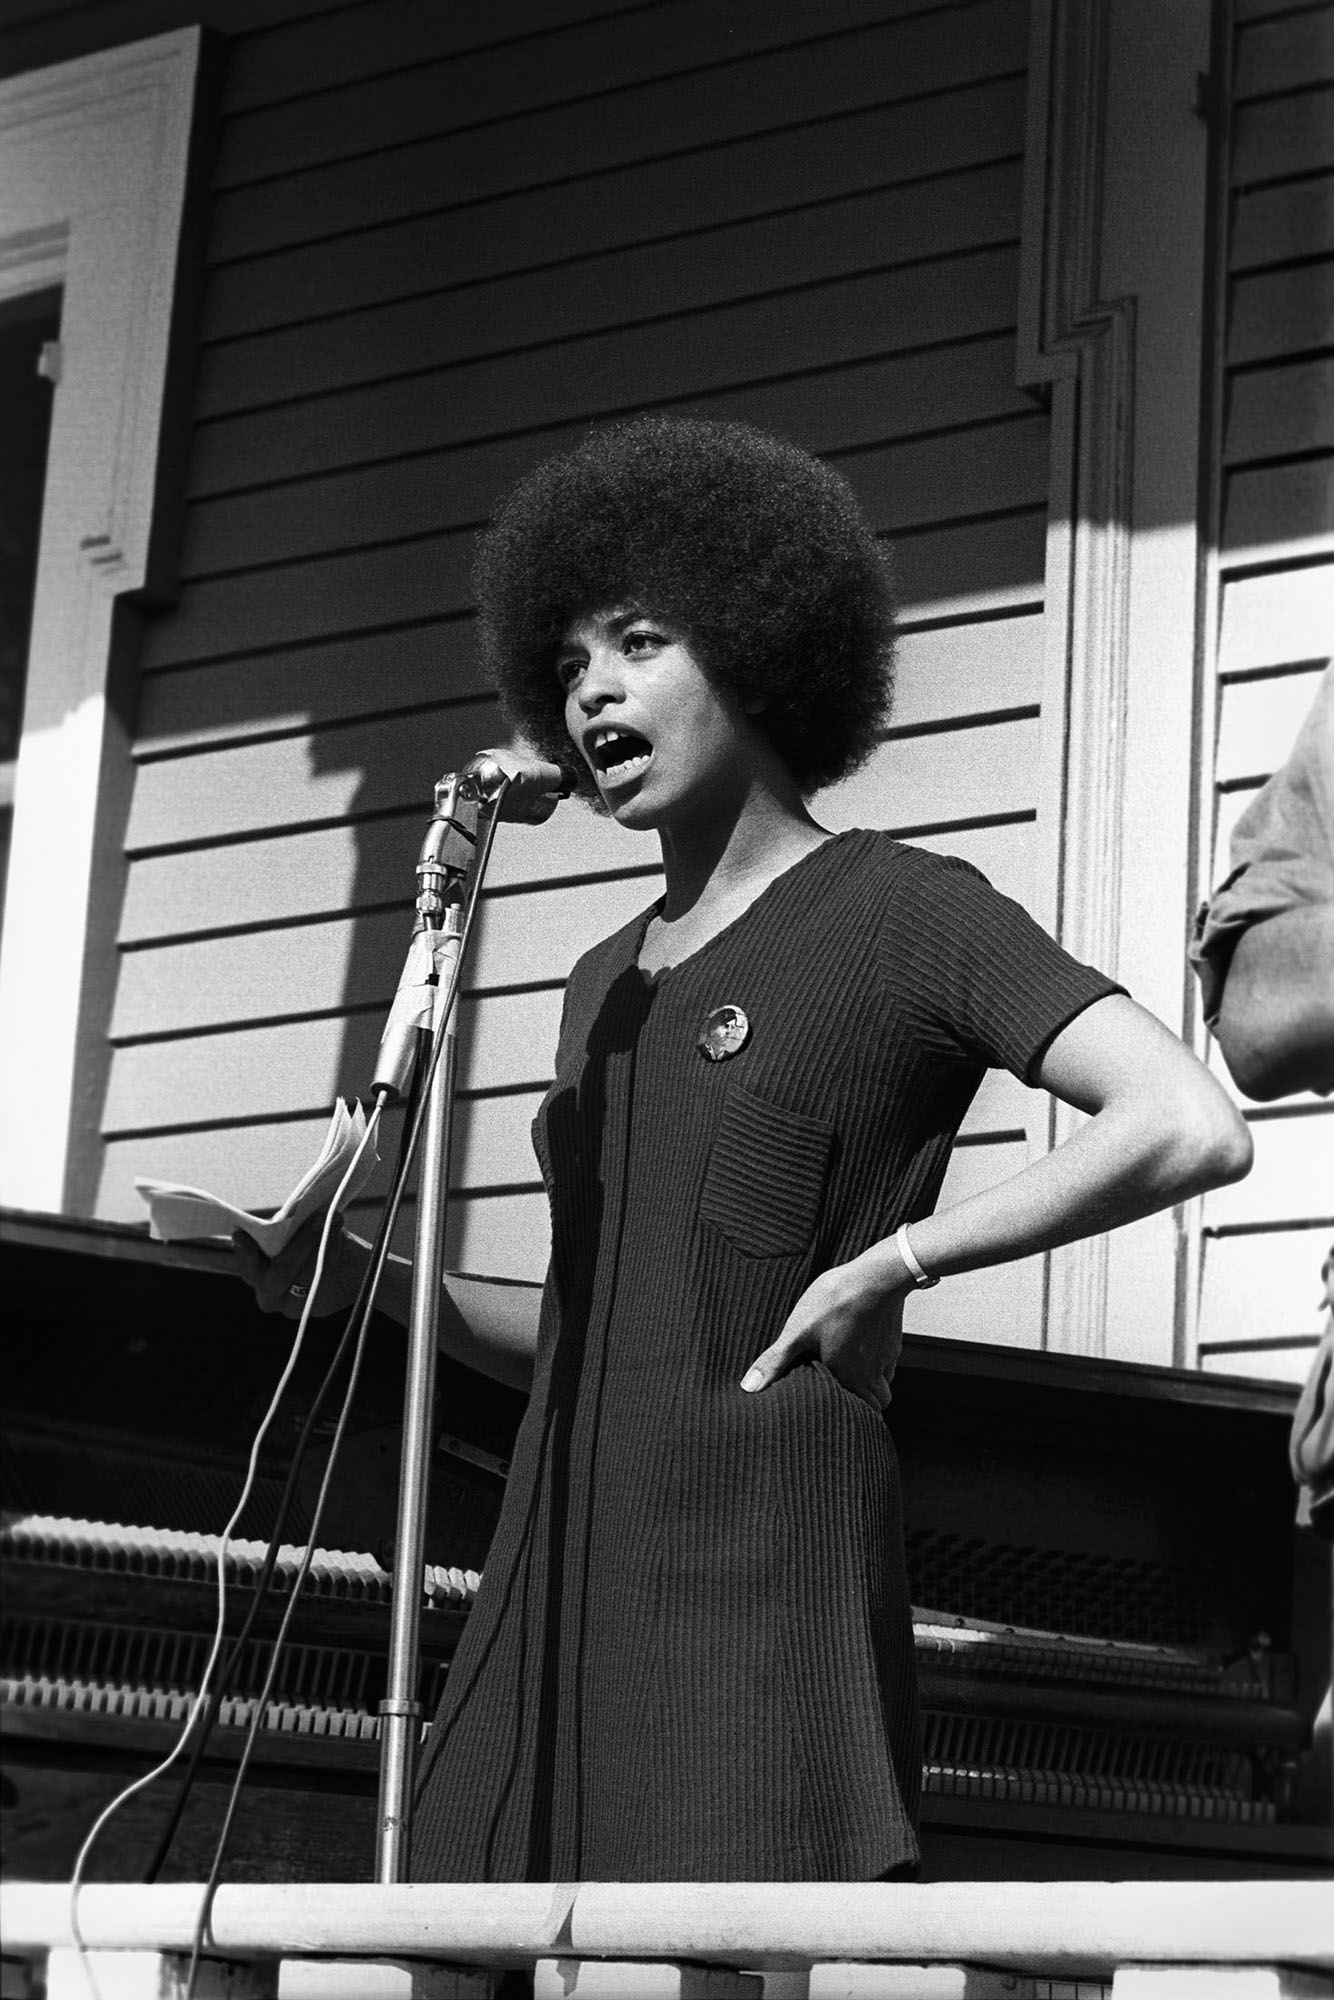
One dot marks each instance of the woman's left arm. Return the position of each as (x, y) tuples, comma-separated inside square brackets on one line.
[(1161, 1130)]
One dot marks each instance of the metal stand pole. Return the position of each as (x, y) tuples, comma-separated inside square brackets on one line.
[(401, 1712), (449, 876)]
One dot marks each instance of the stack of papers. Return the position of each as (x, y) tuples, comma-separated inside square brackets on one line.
[(183, 1214)]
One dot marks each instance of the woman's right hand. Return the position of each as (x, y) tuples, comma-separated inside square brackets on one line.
[(281, 1284)]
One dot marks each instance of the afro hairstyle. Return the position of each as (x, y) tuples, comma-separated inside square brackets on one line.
[(754, 550)]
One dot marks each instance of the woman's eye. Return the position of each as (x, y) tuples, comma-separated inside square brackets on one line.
[(641, 640), (568, 671)]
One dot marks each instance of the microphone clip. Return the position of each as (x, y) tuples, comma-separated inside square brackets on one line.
[(447, 851)]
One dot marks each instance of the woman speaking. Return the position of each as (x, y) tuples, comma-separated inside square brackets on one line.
[(692, 1657)]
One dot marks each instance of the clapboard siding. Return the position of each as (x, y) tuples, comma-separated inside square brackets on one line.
[(1264, 1283), (368, 767), (366, 37), (270, 31), (1275, 224), (1290, 53), (1275, 411), (954, 213), (1264, 10), (255, 1167), (1274, 619), (507, 1233), (304, 688), (922, 783), (943, 572), (354, 960), (31, 37), (172, 1090), (1281, 137), (1262, 1241), (1258, 720), (942, 673), (1231, 802), (1002, 1305), (1004, 854), (324, 868), (292, 1067), (903, 488), (510, 1037), (1290, 1181), (1281, 312), (1292, 503), (286, 877), (840, 75), (829, 411), (976, 571), (811, 164), (493, 1230), (913, 782), (429, 85), (851, 319), (433, 259)]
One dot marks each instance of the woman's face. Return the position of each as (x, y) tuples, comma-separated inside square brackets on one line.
[(662, 742)]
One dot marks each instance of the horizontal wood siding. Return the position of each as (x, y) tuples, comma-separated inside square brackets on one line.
[(437, 250), (1264, 1239)]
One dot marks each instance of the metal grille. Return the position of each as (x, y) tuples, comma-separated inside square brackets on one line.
[(1054, 1590)]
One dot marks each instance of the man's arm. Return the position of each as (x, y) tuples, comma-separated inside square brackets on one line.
[(1276, 1020)]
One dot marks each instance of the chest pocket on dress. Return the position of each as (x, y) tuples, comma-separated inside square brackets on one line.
[(765, 1175)]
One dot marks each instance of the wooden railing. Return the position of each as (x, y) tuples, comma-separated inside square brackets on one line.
[(764, 1940)]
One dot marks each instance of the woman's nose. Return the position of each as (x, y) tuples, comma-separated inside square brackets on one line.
[(600, 680)]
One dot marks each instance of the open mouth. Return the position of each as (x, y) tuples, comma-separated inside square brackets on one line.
[(618, 754)]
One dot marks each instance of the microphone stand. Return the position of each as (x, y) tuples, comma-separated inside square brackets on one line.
[(449, 875)]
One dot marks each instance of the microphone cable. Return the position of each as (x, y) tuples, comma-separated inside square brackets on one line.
[(197, 1705), (413, 1127), (416, 1119), (414, 1123), (265, 1576), (262, 1699)]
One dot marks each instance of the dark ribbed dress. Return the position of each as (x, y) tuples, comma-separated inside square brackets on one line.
[(691, 1658)]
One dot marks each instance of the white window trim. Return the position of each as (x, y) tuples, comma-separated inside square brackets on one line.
[(1112, 303), (93, 159)]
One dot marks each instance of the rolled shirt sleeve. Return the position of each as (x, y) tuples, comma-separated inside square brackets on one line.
[(1282, 851)]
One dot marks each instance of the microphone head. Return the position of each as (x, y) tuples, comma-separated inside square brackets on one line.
[(528, 788)]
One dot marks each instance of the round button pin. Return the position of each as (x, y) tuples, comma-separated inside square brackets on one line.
[(725, 1030)]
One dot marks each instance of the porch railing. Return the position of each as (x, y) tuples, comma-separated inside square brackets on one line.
[(693, 1941)]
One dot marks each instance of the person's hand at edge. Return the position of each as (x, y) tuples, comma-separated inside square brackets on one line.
[(281, 1284)]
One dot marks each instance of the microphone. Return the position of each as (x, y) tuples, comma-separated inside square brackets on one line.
[(534, 790), (523, 789)]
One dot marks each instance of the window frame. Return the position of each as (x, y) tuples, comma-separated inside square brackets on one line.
[(94, 156)]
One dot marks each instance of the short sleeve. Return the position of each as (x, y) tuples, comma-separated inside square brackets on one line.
[(977, 977), (1282, 851)]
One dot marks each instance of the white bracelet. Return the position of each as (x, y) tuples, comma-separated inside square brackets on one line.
[(905, 1250)]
